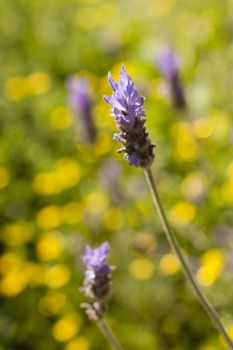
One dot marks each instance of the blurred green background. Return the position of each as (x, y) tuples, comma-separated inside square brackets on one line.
[(58, 194)]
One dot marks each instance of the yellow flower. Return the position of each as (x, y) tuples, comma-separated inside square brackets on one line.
[(141, 269), (66, 175), (49, 246), (169, 264), (38, 83), (17, 233), (182, 214), (212, 264), (194, 185), (57, 276), (95, 203), (66, 327), (72, 213), (78, 343), (49, 217), (61, 118), (4, 177), (113, 219), (15, 88), (52, 303)]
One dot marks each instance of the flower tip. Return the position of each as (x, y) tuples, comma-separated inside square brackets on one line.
[(106, 98)]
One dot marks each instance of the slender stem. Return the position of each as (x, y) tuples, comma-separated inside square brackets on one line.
[(185, 267), (109, 335)]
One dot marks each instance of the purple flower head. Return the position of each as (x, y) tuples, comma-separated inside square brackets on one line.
[(167, 63), (97, 283), (127, 107), (80, 102), (78, 89), (125, 101), (95, 259)]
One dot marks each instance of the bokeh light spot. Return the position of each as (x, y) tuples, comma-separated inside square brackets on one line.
[(78, 343), (4, 177), (113, 219), (169, 264), (141, 269), (66, 327), (49, 217), (49, 246), (57, 276), (182, 214), (61, 118)]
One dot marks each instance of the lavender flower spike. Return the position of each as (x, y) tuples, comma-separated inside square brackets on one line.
[(127, 107), (95, 259), (80, 102), (167, 63), (97, 282)]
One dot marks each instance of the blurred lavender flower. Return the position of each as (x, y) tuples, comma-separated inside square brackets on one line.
[(109, 177), (80, 103), (168, 65), (97, 282), (127, 107)]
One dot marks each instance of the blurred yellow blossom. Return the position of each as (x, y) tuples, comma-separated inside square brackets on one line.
[(72, 213), (38, 83), (9, 261), (67, 173), (229, 330), (18, 275), (17, 233), (169, 264), (52, 303), (212, 263), (4, 177), (95, 203), (15, 88), (50, 246), (66, 327), (78, 343), (203, 128), (13, 282), (182, 214), (46, 183), (222, 125), (186, 149), (57, 276), (227, 192), (145, 241), (113, 219), (104, 143), (49, 217), (61, 118), (141, 269), (194, 185)]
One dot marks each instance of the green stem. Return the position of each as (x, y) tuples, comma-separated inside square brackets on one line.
[(185, 267), (109, 335)]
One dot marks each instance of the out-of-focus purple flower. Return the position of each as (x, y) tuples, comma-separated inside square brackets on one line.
[(95, 259), (109, 176), (97, 282), (167, 63), (80, 102), (127, 107)]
